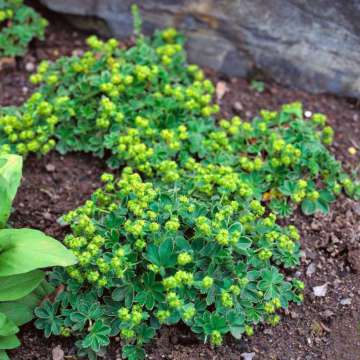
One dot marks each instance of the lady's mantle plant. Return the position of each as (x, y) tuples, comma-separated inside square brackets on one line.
[(152, 253), (19, 24), (147, 108), (188, 233)]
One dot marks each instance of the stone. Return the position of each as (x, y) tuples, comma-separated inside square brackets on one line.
[(310, 269), (50, 167), (346, 301), (221, 90), (311, 45), (57, 353), (238, 106), (29, 66), (320, 291), (248, 356)]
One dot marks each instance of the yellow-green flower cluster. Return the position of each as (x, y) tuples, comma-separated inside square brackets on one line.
[(6, 14), (251, 165), (131, 148), (30, 133), (285, 154)]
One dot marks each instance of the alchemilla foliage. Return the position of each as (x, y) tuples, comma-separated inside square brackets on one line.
[(19, 24), (188, 232), (160, 252)]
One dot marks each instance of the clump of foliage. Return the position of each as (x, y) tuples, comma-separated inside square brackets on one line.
[(153, 253), (148, 109), (257, 86), (22, 253), (19, 24), (188, 232)]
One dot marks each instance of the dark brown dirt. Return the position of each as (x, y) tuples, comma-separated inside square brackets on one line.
[(53, 185), (325, 328)]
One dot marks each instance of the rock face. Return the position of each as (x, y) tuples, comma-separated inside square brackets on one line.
[(314, 45)]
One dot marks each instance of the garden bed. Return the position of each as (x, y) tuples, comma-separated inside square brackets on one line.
[(321, 328)]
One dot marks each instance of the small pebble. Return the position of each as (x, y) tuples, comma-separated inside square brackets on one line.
[(57, 353), (308, 113), (47, 216), (310, 269), (221, 89), (238, 106), (248, 356), (50, 168), (346, 301), (30, 66), (320, 291), (327, 314)]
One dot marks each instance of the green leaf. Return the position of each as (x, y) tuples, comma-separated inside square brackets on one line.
[(288, 187), (9, 342), (7, 326), (35, 297), (322, 206), (166, 253), (243, 243), (133, 352), (24, 250), (3, 355), (236, 321), (97, 337), (19, 313), (145, 333), (47, 318), (281, 207), (271, 282), (10, 176), (326, 196), (308, 207), (152, 255), (162, 255), (14, 287), (11, 171)]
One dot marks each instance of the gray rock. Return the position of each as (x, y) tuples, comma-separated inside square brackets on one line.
[(313, 45)]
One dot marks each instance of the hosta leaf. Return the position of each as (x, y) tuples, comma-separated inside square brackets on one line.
[(19, 313), (11, 171), (7, 326), (14, 287), (9, 342), (3, 355), (10, 176), (23, 250)]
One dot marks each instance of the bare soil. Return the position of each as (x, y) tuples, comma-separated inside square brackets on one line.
[(321, 328)]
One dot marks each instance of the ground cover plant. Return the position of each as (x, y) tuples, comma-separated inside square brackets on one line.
[(193, 215), (19, 24), (22, 253)]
